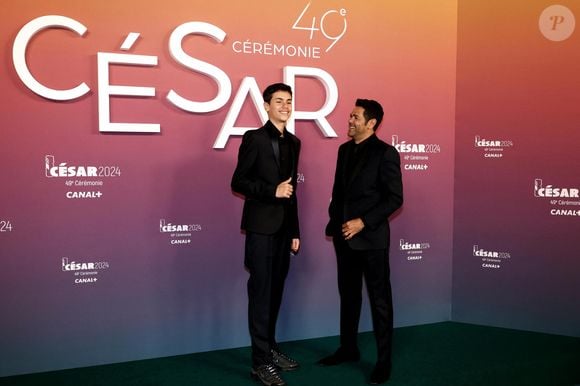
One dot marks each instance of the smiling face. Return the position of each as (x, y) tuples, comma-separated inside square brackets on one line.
[(358, 127), (279, 108)]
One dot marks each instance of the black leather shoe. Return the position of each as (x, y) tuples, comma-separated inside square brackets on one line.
[(283, 361), (268, 375), (381, 374), (340, 356)]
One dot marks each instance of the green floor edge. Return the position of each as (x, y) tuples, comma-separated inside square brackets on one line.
[(445, 354)]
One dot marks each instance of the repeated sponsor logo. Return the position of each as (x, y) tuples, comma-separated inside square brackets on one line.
[(413, 251), (179, 234), (492, 148), (491, 259), (551, 191), (81, 181), (415, 156), (564, 201), (83, 272), (63, 169)]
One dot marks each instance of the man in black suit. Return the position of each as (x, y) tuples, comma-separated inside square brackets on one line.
[(367, 190), (266, 174)]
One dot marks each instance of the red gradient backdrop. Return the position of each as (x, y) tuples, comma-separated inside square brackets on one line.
[(155, 291), (517, 87)]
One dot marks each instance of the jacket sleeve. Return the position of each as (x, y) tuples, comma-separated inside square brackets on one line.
[(391, 189), (294, 222), (334, 223), (245, 180)]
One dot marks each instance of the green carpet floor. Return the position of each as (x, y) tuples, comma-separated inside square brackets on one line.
[(442, 354)]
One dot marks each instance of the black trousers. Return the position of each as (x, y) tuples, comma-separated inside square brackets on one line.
[(373, 265), (267, 258)]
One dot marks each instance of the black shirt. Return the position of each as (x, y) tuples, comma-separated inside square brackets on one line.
[(355, 154), (285, 156)]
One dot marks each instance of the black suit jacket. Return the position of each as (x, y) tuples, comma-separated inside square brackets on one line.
[(256, 177), (372, 191)]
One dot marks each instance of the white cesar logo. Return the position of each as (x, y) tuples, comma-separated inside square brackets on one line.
[(84, 273), (482, 142), (413, 251), (165, 227), (180, 234), (407, 246), (404, 147), (550, 191), (480, 252), (62, 170), (490, 259), (75, 266)]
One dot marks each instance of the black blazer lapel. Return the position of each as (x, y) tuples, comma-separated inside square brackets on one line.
[(276, 149)]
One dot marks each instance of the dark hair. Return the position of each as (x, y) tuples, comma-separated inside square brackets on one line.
[(372, 110), (271, 89)]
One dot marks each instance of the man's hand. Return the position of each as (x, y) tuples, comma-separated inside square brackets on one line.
[(295, 245), (352, 227), (284, 189)]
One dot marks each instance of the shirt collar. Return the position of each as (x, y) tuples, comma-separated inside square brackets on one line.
[(360, 145), (273, 130)]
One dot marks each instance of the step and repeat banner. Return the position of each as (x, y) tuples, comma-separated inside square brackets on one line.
[(517, 203), (120, 126)]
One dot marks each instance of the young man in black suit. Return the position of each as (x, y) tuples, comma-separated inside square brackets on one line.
[(367, 190), (266, 174)]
